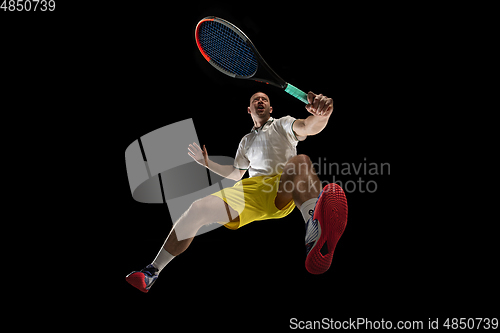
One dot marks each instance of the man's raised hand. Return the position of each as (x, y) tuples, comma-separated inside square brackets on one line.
[(199, 155), (319, 105)]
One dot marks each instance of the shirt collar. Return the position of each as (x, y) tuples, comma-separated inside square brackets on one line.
[(256, 130)]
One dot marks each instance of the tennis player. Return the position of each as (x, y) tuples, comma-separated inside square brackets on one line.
[(279, 180)]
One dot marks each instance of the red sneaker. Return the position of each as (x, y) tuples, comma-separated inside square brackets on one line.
[(324, 229), (143, 279)]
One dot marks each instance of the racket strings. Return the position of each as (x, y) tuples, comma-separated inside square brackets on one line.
[(227, 49)]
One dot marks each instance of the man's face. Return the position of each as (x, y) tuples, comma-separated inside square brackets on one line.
[(260, 106)]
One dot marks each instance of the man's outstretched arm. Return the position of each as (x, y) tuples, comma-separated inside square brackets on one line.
[(321, 108), (201, 157)]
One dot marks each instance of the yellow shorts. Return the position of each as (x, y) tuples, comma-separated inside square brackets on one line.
[(253, 198)]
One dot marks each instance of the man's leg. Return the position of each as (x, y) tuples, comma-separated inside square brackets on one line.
[(210, 209), (325, 216)]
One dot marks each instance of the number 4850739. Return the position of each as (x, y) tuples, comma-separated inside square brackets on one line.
[(28, 5)]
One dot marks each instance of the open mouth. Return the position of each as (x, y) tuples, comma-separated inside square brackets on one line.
[(260, 107)]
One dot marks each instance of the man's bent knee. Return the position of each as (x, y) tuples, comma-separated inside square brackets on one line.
[(302, 158), (298, 165)]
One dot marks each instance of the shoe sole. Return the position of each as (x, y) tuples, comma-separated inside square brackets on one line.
[(331, 212), (137, 280)]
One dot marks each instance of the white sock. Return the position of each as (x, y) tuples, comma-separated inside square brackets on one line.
[(162, 259), (307, 208)]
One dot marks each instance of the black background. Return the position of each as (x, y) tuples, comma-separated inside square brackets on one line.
[(112, 74)]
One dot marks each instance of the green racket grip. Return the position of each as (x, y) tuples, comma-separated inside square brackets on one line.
[(296, 92)]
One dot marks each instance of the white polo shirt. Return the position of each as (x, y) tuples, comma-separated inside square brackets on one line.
[(265, 151)]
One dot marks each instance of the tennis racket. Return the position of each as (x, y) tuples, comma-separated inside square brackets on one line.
[(231, 52)]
